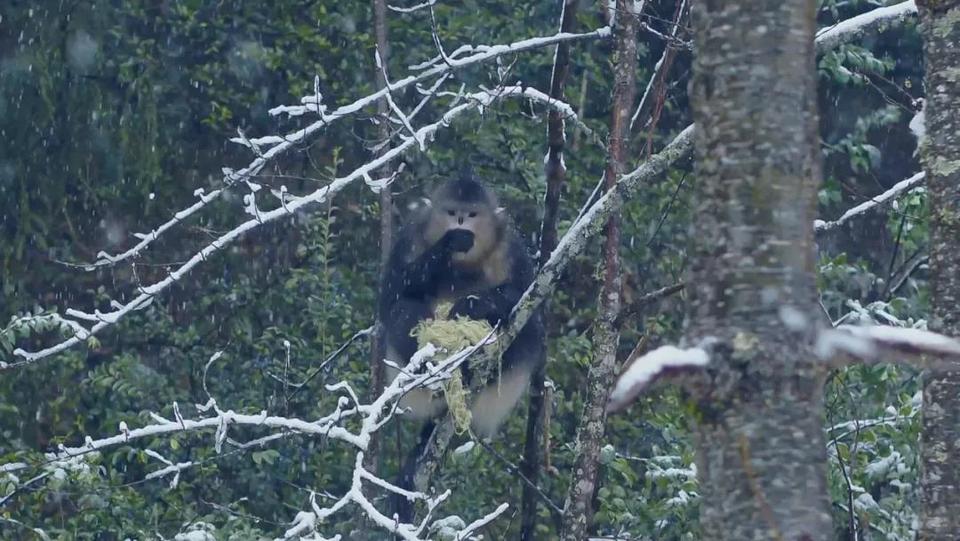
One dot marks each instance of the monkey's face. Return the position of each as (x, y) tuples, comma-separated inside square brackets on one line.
[(478, 219)]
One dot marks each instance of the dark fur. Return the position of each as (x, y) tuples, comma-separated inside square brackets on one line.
[(413, 283), (422, 271)]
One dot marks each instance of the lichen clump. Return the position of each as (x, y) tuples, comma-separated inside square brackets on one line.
[(450, 336)]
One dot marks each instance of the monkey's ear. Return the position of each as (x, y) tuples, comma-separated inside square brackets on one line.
[(426, 202), (501, 211)]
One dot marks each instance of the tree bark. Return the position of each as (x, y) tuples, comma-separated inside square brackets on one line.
[(578, 507), (555, 172), (760, 447), (377, 372), (940, 151)]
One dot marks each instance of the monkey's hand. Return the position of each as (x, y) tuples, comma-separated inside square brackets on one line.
[(457, 240), (474, 307)]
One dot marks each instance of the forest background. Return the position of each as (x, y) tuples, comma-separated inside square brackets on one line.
[(112, 117)]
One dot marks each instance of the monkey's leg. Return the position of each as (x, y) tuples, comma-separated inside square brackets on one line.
[(494, 402), (402, 506)]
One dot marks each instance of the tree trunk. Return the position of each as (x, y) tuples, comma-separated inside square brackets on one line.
[(555, 172), (940, 150), (578, 507), (377, 372), (760, 447)]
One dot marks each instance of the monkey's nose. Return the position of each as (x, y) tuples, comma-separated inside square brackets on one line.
[(460, 220)]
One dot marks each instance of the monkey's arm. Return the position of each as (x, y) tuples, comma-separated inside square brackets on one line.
[(496, 303), (493, 305), (419, 278), (401, 317), (409, 287)]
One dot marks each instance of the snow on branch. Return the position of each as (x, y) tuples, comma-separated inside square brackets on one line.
[(648, 367), (419, 372), (881, 343), (855, 28), (105, 259), (374, 415), (281, 144), (411, 9), (898, 189), (591, 222), (433, 68), (307, 521), (289, 204), (532, 94)]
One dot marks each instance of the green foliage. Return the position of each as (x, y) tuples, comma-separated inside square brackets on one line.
[(113, 117), (865, 157), (852, 64), (874, 460)]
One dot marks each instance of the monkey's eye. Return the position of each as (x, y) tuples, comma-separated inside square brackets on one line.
[(450, 213), (473, 215)]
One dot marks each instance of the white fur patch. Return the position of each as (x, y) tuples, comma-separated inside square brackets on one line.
[(493, 404), (488, 408)]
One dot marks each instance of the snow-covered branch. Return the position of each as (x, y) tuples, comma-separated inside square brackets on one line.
[(267, 149), (532, 94), (898, 189), (289, 204), (411, 9), (885, 343), (591, 222), (646, 368), (855, 28), (306, 522), (462, 57), (419, 372)]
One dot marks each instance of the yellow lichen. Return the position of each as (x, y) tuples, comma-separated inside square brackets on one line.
[(456, 397), (450, 336)]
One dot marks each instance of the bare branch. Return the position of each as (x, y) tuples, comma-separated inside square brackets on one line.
[(639, 304), (592, 221), (555, 171), (661, 67), (578, 503)]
